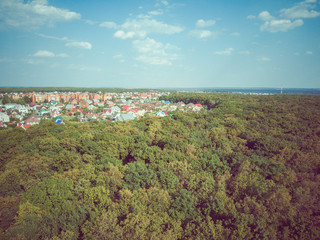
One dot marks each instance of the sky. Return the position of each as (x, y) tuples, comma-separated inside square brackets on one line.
[(160, 43)]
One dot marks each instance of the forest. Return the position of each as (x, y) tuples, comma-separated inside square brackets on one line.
[(247, 167)]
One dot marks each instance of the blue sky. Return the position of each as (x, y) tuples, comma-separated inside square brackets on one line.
[(160, 43)]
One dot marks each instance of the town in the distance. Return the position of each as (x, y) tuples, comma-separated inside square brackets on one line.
[(27, 109)]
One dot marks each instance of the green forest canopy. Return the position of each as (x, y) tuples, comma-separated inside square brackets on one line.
[(248, 168)]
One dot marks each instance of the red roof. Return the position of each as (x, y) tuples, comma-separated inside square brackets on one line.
[(76, 110), (24, 126), (133, 110), (198, 105), (107, 110)]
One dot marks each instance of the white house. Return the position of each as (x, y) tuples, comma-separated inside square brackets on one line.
[(4, 117)]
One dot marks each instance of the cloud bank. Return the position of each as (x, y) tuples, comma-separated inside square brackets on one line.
[(32, 14), (289, 18)]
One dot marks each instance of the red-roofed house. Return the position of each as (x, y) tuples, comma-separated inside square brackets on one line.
[(24, 126), (32, 120)]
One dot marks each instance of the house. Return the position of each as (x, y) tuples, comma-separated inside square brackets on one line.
[(106, 113), (91, 107), (197, 107), (125, 107), (22, 108), (59, 105), (73, 101), (180, 104), (10, 106), (4, 117), (24, 126), (100, 104), (115, 109), (32, 104), (84, 104), (190, 105), (69, 106), (125, 117), (43, 112), (54, 113), (95, 101), (140, 112), (32, 120), (58, 120), (173, 108), (91, 116), (161, 114), (3, 125), (18, 116), (89, 101)]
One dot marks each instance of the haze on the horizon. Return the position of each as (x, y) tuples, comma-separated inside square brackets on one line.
[(160, 43)]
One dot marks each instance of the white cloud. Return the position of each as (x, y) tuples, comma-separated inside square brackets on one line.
[(224, 52), (154, 53), (62, 55), (309, 52), (45, 53), (108, 25), (70, 43), (245, 52), (202, 23), (84, 68), (281, 25), (148, 45), (84, 45), (90, 22), (201, 34), (164, 2), (118, 56), (143, 27), (155, 13), (236, 34), (124, 35), (301, 10), (265, 16), (5, 60), (154, 60), (289, 18), (52, 37), (251, 17), (264, 59), (32, 14)]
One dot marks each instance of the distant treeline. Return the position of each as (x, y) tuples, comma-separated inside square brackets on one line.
[(75, 89), (210, 100)]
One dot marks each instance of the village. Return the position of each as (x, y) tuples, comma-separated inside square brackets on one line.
[(84, 107)]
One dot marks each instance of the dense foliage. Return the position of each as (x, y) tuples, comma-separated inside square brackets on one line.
[(248, 168), (24, 100)]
